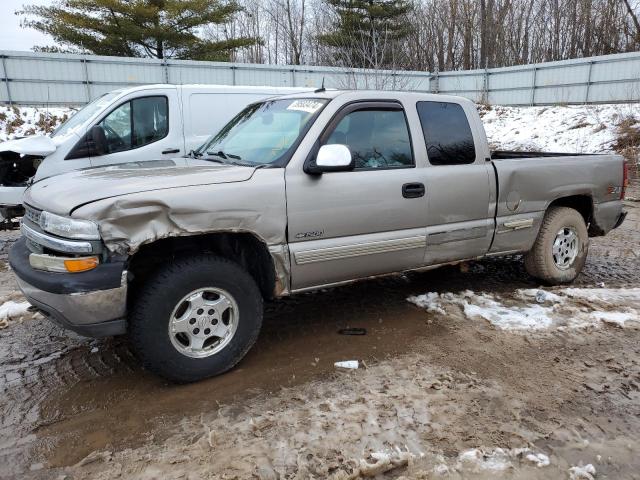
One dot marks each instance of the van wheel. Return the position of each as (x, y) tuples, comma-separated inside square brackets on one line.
[(195, 318), (560, 251)]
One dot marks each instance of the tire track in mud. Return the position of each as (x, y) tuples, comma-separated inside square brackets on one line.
[(39, 357), (38, 360)]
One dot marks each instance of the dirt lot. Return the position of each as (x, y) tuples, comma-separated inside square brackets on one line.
[(440, 392)]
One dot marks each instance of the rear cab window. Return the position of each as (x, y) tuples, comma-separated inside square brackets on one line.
[(447, 133)]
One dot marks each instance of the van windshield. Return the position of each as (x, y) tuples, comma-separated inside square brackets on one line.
[(263, 133), (85, 113)]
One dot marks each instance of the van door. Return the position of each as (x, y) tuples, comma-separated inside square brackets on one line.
[(369, 221), (460, 186), (145, 127)]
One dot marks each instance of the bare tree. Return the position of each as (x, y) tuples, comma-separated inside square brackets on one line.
[(442, 34)]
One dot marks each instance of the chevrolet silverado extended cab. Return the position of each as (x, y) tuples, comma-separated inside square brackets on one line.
[(293, 194)]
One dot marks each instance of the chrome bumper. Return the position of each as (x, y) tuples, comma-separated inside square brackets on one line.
[(97, 313)]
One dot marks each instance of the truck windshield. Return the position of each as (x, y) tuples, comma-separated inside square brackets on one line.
[(263, 133), (85, 113)]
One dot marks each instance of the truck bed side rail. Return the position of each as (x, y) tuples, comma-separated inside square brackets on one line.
[(506, 154)]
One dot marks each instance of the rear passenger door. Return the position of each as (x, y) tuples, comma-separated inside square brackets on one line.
[(369, 221), (460, 185)]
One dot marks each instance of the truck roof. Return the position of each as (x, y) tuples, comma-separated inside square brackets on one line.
[(377, 94)]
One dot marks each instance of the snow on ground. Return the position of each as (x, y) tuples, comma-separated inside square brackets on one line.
[(581, 128), (498, 459), (536, 309), (10, 310), (16, 122), (586, 472)]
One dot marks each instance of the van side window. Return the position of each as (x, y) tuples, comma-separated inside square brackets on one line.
[(377, 138), (447, 133), (136, 123)]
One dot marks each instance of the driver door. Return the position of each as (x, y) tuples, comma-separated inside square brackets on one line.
[(142, 128), (368, 221)]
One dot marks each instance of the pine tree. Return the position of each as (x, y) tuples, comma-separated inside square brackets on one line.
[(136, 28), (366, 31)]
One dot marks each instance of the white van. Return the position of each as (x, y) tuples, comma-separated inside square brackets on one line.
[(150, 122)]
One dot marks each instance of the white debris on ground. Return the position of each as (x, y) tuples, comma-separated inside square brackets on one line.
[(579, 128), (587, 472), (10, 310), (19, 121), (348, 364), (536, 309)]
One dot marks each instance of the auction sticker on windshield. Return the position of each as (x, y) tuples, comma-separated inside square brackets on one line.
[(306, 105)]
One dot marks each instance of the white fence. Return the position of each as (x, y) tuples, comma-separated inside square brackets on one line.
[(65, 79)]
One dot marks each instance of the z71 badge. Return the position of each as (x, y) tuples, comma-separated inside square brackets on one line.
[(315, 234)]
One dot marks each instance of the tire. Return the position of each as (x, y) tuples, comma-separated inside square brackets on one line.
[(160, 305), (559, 223)]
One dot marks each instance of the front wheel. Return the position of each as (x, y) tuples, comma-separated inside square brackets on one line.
[(560, 250), (195, 318)]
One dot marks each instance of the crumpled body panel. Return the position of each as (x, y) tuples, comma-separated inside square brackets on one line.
[(256, 206), (38, 145)]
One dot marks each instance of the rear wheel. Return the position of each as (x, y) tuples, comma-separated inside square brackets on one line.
[(560, 250), (195, 318)]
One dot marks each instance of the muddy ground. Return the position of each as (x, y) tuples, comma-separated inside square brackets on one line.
[(437, 395)]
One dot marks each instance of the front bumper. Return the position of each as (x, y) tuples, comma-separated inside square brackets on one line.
[(620, 219), (90, 303)]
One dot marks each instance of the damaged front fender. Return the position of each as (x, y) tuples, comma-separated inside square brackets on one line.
[(257, 207)]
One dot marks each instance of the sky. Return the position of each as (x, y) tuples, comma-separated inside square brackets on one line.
[(14, 37)]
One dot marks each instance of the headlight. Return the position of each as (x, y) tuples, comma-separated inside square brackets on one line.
[(68, 227)]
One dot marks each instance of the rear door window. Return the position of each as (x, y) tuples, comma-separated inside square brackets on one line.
[(447, 133)]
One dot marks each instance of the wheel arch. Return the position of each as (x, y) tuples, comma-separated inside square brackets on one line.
[(263, 263), (582, 203)]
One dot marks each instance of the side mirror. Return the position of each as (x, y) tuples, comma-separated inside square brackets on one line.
[(331, 158), (97, 140), (93, 144)]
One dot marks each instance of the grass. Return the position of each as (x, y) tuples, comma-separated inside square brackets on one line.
[(628, 138)]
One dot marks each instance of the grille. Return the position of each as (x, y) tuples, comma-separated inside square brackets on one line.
[(33, 214)]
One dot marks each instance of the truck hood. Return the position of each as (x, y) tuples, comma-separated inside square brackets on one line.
[(34, 145), (63, 193)]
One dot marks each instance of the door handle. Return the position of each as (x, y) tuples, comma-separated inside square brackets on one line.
[(171, 150), (413, 190)]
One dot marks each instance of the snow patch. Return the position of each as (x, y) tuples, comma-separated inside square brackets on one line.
[(580, 472), (18, 122), (382, 462), (536, 309), (579, 129), (11, 309), (429, 301), (499, 459)]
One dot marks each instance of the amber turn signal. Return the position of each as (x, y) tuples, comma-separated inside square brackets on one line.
[(81, 264)]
